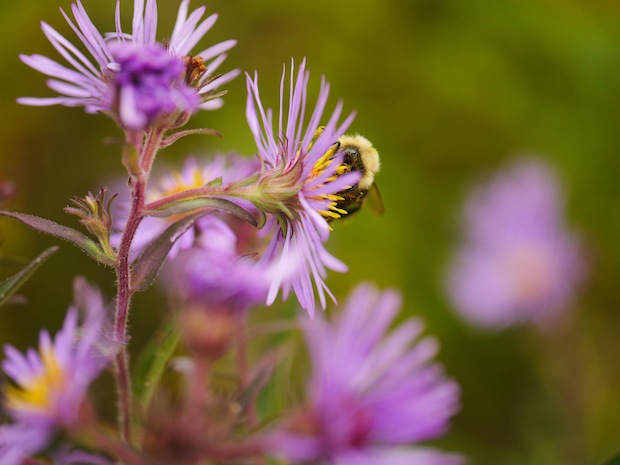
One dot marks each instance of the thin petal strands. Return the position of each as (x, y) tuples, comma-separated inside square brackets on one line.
[(300, 167), (372, 396), (131, 76), (51, 383)]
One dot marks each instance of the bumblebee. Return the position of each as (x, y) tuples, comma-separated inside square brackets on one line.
[(360, 156)]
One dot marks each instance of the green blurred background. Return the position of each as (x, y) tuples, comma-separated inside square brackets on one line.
[(448, 91)]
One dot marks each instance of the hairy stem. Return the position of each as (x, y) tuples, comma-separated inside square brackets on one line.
[(123, 281), (244, 189)]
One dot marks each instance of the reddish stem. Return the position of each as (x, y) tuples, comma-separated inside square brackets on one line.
[(124, 291), (188, 194), (197, 395)]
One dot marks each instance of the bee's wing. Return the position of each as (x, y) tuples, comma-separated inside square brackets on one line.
[(374, 201)]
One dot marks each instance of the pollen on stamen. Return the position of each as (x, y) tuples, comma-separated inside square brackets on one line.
[(333, 212), (324, 162)]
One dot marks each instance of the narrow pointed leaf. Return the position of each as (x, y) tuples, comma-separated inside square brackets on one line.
[(186, 206), (10, 285), (146, 267), (171, 139), (258, 379), (90, 247), (152, 363), (262, 219)]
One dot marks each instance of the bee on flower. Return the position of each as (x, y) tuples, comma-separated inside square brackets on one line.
[(298, 184)]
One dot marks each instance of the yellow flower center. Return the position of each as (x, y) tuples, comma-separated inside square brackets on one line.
[(178, 183), (37, 395)]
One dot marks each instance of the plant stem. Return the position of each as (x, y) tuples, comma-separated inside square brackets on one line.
[(124, 292), (197, 395), (118, 449), (123, 299), (243, 367), (243, 189)]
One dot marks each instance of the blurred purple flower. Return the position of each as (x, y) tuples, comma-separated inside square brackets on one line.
[(51, 383), (372, 394), (517, 262), (214, 274), (195, 173), (299, 168), (133, 77)]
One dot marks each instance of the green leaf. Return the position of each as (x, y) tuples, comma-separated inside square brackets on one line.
[(171, 139), (217, 182), (203, 203), (10, 285), (145, 268), (152, 363), (90, 247)]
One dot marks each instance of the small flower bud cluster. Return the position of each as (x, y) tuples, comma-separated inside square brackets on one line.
[(95, 215)]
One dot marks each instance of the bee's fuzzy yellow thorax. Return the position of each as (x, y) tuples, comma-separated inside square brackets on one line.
[(369, 157)]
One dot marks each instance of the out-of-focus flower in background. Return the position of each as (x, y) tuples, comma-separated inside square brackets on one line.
[(517, 261), (195, 173), (51, 383), (372, 393), (297, 168), (216, 281), (134, 78), (216, 272)]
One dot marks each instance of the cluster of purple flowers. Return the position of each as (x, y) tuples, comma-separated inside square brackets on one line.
[(234, 233)]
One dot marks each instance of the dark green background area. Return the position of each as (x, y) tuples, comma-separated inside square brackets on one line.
[(448, 91)]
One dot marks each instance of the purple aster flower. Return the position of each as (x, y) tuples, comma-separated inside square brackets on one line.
[(372, 394), (131, 76), (299, 164), (51, 383), (219, 271), (195, 173), (217, 280), (517, 262)]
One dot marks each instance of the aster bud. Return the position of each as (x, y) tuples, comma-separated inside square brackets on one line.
[(208, 333), (94, 213)]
